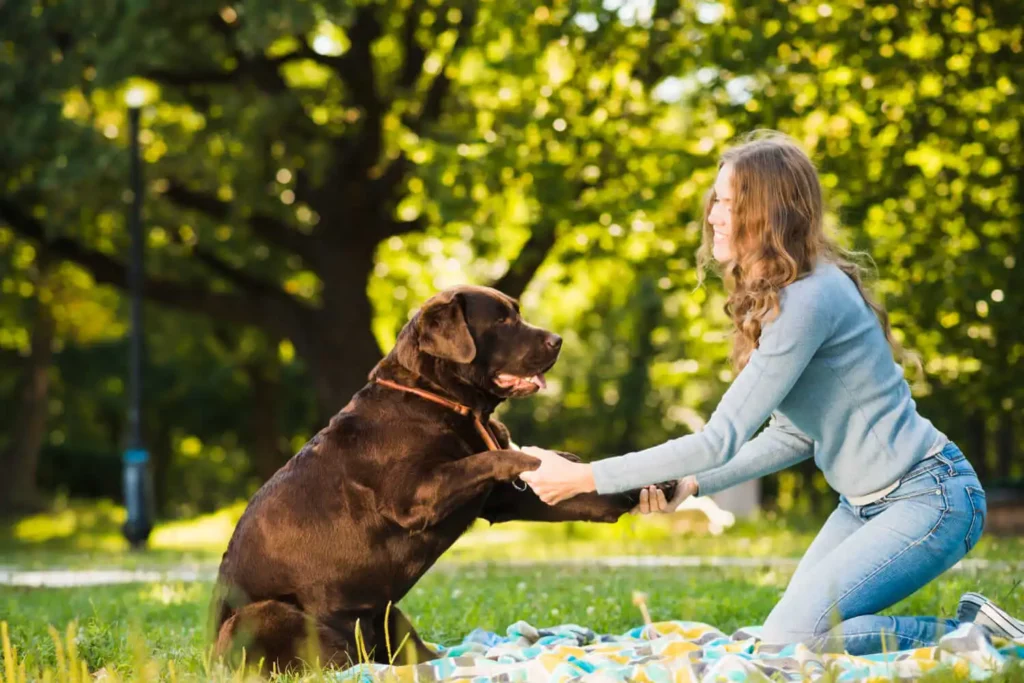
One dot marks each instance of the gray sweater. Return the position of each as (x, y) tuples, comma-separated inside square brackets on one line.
[(824, 373)]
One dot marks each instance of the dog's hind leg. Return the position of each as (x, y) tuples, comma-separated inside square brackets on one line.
[(279, 634), (406, 646)]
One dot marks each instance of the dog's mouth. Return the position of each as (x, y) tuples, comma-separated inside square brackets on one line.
[(520, 385)]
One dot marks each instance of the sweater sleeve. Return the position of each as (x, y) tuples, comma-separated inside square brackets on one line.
[(786, 346), (780, 445)]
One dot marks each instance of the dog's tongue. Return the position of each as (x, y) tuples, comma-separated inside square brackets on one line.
[(538, 379)]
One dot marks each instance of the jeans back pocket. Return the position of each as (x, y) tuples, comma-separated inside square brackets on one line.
[(979, 508)]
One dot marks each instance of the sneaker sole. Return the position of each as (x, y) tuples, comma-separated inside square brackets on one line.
[(1008, 624)]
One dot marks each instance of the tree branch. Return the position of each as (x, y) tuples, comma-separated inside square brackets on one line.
[(356, 66), (10, 357), (267, 227), (247, 283), (304, 191), (534, 252), (221, 27), (412, 65), (354, 155), (184, 79), (263, 71), (260, 69), (402, 227), (107, 270), (430, 109), (649, 70), (394, 174)]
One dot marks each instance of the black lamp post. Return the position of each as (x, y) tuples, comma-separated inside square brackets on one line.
[(138, 486)]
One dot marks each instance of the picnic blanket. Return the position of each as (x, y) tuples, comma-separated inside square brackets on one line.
[(677, 651)]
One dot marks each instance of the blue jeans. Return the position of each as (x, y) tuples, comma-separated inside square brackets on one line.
[(867, 558)]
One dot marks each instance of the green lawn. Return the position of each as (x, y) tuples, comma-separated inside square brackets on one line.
[(120, 626), (88, 535), (136, 630)]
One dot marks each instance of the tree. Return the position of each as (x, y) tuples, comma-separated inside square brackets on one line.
[(912, 113), (20, 458), (315, 171), (286, 145), (45, 307)]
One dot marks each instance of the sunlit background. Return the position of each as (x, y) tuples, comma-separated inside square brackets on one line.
[(311, 171), (314, 171)]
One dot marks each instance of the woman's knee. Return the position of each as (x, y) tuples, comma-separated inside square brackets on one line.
[(793, 622), (780, 633)]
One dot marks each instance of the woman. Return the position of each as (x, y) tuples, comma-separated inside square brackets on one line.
[(815, 354)]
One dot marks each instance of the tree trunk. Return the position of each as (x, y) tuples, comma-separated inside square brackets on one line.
[(337, 341), (341, 355), (21, 460), (635, 384), (265, 426), (978, 435), (158, 441), (1005, 446)]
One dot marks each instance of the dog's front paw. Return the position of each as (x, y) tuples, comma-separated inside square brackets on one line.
[(515, 463), (668, 488), (501, 433)]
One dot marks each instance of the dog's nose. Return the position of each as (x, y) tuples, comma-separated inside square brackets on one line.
[(553, 341)]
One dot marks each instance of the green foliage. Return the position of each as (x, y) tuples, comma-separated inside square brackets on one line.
[(315, 170)]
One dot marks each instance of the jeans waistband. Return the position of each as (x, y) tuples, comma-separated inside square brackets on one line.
[(950, 457)]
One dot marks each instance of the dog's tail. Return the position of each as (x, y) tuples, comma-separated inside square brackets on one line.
[(220, 610)]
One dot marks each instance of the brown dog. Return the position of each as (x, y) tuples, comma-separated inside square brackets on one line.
[(353, 520)]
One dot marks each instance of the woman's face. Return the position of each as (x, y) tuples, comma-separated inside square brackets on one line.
[(720, 217)]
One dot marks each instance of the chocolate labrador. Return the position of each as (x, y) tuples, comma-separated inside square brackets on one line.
[(343, 531)]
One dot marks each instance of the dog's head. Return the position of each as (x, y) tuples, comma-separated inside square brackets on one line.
[(476, 336)]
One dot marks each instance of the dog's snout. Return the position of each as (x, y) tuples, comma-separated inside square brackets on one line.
[(553, 341)]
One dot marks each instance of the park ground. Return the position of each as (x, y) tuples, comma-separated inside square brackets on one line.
[(152, 628)]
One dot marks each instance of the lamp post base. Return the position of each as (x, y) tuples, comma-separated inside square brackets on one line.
[(138, 497)]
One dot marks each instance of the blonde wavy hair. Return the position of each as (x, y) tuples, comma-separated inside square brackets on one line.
[(777, 236)]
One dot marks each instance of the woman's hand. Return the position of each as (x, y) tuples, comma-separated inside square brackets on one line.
[(557, 479), (652, 499)]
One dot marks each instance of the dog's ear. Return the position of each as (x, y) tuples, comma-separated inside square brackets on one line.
[(443, 331)]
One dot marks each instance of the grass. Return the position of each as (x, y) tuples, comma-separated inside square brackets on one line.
[(140, 631), (446, 604), (87, 535)]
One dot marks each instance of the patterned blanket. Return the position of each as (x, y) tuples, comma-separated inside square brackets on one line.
[(675, 651)]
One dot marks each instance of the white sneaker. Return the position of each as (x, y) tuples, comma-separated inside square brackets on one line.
[(976, 608)]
